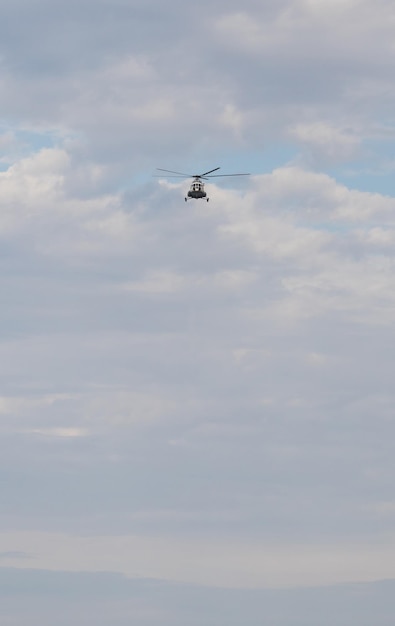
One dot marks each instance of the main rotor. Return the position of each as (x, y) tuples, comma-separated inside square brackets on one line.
[(204, 176)]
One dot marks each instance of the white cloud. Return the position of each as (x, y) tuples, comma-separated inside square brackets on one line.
[(59, 432), (221, 564), (10, 405), (326, 141), (167, 282), (198, 391), (377, 237), (157, 282)]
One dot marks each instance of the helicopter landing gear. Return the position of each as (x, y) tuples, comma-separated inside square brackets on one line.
[(207, 199), (186, 199)]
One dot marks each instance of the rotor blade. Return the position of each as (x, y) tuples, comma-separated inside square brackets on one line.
[(221, 175), (183, 176), (171, 172), (214, 170)]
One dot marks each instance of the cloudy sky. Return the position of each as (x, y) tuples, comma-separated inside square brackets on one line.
[(197, 400)]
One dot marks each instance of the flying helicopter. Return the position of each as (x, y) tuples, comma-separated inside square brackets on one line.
[(196, 189)]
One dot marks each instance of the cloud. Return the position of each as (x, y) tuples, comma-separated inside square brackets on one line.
[(143, 88), (59, 432), (324, 141), (221, 564), (200, 392), (171, 342), (12, 555), (85, 596)]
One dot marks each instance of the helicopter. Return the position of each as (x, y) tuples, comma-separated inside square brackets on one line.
[(196, 189)]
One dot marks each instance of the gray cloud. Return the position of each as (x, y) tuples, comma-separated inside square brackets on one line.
[(169, 85), (153, 376), (189, 374)]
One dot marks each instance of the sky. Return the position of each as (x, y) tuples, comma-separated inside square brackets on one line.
[(197, 400)]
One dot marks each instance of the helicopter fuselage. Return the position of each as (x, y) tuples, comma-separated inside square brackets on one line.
[(192, 193), (197, 190)]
